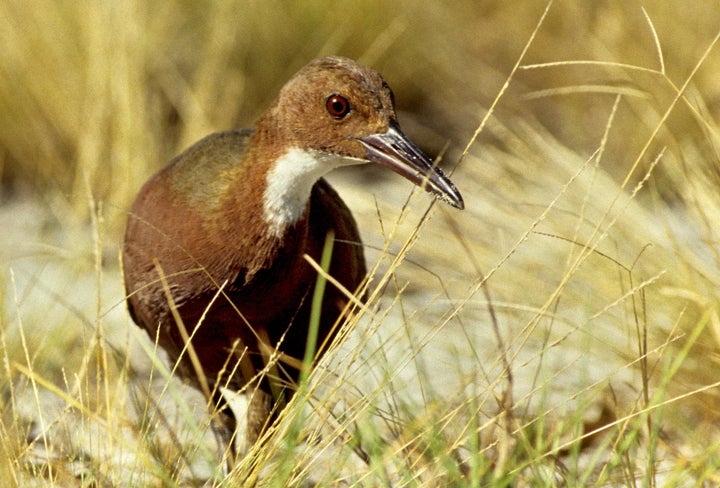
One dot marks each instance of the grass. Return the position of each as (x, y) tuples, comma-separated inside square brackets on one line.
[(563, 329)]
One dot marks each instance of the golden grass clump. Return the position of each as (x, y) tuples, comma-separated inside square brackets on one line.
[(563, 329)]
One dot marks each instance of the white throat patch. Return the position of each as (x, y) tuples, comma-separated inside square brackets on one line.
[(289, 184)]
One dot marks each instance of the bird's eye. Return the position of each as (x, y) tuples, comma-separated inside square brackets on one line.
[(337, 106)]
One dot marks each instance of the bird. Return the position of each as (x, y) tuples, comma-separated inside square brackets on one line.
[(214, 246)]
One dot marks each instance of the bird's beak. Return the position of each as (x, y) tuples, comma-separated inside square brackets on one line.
[(394, 150)]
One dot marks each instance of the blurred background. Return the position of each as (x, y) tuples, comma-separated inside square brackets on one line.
[(97, 97), (591, 189)]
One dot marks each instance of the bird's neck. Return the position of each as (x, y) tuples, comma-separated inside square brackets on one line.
[(288, 185), (289, 171), (265, 208)]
